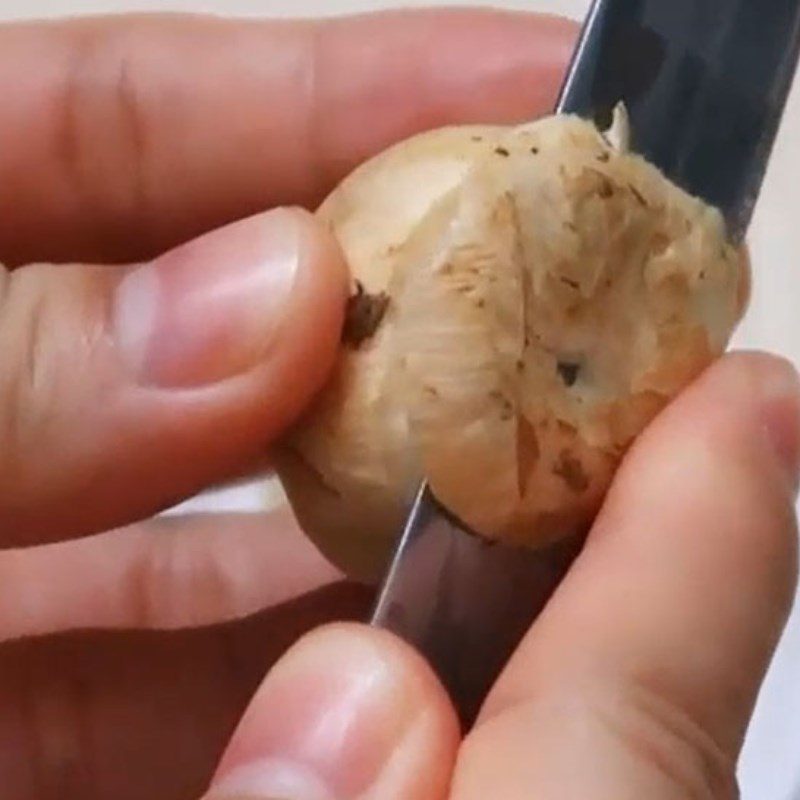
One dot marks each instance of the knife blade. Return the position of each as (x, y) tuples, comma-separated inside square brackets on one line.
[(705, 83)]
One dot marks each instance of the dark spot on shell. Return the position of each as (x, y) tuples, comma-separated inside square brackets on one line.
[(606, 189), (502, 151), (520, 366), (527, 453), (481, 303), (639, 196), (477, 138), (569, 282), (604, 158), (363, 316), (571, 470), (569, 371), (535, 151), (506, 406), (565, 429), (702, 275)]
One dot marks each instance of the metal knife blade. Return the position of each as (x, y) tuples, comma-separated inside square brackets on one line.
[(705, 83)]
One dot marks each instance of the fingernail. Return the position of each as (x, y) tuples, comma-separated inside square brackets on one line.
[(324, 724), (779, 391), (210, 309)]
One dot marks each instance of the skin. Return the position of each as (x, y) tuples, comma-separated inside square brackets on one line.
[(130, 661)]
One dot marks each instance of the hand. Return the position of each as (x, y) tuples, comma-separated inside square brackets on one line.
[(637, 682), (126, 388)]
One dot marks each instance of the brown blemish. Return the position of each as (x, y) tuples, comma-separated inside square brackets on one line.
[(527, 453), (659, 244), (502, 151), (569, 372), (566, 429), (506, 406), (569, 282), (604, 158), (571, 470), (477, 138), (535, 151), (363, 316), (606, 189), (639, 196)]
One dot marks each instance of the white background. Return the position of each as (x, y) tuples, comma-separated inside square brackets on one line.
[(771, 766)]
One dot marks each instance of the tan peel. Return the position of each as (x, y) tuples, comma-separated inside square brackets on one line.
[(529, 299)]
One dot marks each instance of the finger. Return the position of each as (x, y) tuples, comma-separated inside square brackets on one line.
[(123, 390), (165, 574), (134, 715), (640, 678), (348, 712), (135, 133)]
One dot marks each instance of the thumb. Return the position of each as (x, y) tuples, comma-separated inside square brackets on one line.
[(125, 389), (348, 712)]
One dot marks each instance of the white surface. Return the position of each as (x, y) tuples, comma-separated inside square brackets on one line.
[(771, 765)]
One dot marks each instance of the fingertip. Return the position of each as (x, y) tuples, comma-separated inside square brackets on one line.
[(311, 337), (347, 711), (747, 404)]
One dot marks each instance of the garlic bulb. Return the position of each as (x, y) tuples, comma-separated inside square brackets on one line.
[(525, 301)]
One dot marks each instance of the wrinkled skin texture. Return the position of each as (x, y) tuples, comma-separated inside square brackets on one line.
[(548, 294)]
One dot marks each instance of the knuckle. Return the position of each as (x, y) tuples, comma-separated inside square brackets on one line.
[(631, 739), (173, 586), (59, 713), (24, 377), (44, 354), (669, 741), (102, 126)]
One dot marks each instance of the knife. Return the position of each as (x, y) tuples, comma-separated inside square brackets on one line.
[(705, 83)]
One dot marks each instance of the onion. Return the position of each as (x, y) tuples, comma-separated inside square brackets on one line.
[(525, 301)]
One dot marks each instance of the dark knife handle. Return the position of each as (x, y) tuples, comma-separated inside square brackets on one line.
[(705, 83)]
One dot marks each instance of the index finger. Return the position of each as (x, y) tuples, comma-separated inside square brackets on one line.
[(120, 137), (641, 675)]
